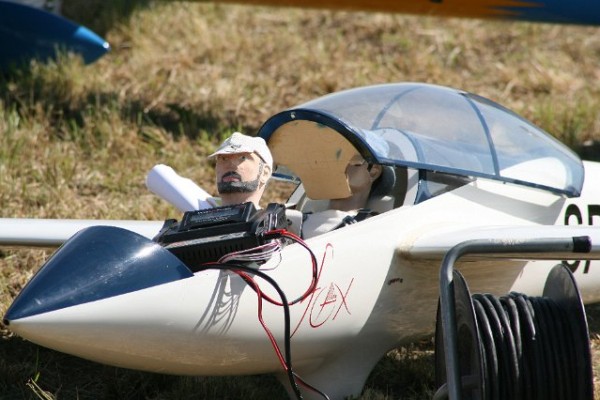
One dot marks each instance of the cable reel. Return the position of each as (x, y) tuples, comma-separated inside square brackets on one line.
[(517, 346)]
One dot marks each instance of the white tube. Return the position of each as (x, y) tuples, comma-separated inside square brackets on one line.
[(181, 192)]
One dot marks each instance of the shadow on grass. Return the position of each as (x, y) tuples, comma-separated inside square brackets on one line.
[(405, 373), (47, 93), (63, 377), (25, 90), (100, 15)]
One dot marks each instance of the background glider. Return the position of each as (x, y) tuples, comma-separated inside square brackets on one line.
[(28, 33), (582, 12)]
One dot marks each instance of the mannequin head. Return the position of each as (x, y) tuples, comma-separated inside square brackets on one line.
[(243, 166), (361, 176)]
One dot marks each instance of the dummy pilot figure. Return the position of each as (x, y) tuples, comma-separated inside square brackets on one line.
[(243, 166), (361, 176)]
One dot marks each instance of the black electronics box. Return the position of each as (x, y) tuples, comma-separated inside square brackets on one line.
[(207, 235)]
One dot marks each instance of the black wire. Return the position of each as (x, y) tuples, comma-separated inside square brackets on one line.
[(283, 233), (527, 347), (314, 389), (504, 359), (509, 352), (275, 234), (287, 329), (526, 334), (544, 352), (512, 315), (286, 313), (489, 356), (561, 351)]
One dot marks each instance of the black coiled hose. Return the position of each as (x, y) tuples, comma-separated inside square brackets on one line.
[(520, 347), (528, 348)]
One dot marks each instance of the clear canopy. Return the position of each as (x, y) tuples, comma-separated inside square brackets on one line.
[(440, 129)]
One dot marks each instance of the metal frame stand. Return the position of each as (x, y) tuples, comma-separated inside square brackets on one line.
[(503, 248)]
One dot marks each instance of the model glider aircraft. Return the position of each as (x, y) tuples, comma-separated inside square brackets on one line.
[(28, 33), (583, 12), (467, 185)]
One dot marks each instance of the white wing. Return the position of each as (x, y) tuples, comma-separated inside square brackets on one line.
[(435, 245), (506, 258), (53, 232)]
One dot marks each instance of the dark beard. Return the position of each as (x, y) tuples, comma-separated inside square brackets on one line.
[(238, 187)]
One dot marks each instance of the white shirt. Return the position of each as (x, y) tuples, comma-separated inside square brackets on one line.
[(323, 221)]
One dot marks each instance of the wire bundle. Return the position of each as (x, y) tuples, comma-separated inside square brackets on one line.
[(531, 348), (256, 254), (262, 254)]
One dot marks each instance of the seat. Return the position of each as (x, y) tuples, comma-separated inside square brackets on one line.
[(388, 190)]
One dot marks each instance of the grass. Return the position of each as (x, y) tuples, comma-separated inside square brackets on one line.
[(76, 141)]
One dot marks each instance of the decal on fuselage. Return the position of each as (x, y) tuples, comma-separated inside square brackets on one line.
[(581, 214), (328, 300)]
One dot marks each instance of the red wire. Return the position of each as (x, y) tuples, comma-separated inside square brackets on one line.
[(260, 296), (315, 268), (249, 280)]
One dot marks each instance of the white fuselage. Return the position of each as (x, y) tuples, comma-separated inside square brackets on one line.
[(378, 288)]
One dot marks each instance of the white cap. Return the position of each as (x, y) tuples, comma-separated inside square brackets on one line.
[(240, 143)]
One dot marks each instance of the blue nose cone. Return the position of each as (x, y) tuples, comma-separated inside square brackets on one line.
[(88, 44), (96, 263)]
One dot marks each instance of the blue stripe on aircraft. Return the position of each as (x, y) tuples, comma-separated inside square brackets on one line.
[(583, 12)]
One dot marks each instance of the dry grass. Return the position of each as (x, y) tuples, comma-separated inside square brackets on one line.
[(76, 141)]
